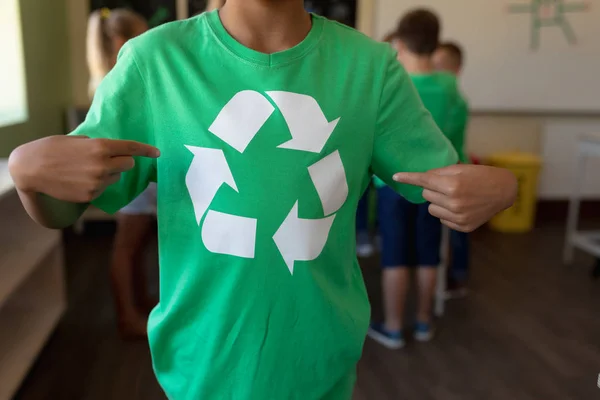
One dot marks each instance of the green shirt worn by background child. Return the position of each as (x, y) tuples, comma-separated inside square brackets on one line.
[(441, 96), (264, 159), (457, 131)]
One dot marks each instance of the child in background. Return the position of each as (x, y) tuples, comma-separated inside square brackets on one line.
[(449, 57), (411, 236), (262, 92), (108, 31)]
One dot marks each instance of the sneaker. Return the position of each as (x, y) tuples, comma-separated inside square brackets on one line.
[(391, 340), (423, 332), (365, 250)]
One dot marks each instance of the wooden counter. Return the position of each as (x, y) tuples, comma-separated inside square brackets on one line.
[(32, 287)]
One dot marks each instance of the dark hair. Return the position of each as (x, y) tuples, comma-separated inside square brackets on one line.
[(455, 51), (419, 30)]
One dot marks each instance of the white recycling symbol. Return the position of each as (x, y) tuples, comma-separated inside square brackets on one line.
[(237, 124)]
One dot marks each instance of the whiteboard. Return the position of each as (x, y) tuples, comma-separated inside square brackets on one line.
[(505, 71), (560, 141)]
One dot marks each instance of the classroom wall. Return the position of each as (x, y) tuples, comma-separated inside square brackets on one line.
[(488, 133), (77, 15), (45, 46), (551, 136)]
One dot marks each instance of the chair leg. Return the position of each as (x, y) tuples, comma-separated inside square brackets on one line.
[(574, 205), (440, 292)]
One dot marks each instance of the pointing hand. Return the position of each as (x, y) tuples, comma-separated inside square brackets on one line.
[(76, 169), (464, 197)]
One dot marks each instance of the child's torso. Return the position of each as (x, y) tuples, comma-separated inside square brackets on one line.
[(263, 162)]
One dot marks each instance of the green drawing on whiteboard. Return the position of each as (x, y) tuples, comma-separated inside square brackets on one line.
[(545, 13)]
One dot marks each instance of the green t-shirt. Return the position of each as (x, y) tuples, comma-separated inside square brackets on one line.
[(264, 159), (440, 96), (457, 131)]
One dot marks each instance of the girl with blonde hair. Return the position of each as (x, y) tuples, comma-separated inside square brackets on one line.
[(108, 31)]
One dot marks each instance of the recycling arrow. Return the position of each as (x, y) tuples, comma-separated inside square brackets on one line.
[(237, 124), (229, 234), (308, 126), (208, 172), (301, 239), (241, 119), (329, 177)]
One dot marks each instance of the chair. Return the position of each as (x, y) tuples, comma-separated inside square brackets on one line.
[(588, 241)]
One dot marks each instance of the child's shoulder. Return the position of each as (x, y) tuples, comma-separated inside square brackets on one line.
[(345, 35), (448, 82), (446, 78), (176, 33)]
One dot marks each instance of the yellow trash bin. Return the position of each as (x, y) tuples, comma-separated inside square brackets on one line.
[(520, 217)]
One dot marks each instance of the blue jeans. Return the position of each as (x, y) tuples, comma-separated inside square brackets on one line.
[(410, 236), (459, 265)]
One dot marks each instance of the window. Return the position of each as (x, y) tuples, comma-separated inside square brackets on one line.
[(13, 96)]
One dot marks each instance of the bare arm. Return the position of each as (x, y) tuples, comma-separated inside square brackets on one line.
[(57, 177), (50, 212), (464, 197)]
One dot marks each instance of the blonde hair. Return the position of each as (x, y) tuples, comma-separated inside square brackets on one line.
[(104, 26)]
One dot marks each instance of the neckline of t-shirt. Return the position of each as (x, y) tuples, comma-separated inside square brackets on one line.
[(431, 74), (424, 74), (264, 59)]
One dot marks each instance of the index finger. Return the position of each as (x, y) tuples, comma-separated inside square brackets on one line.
[(426, 180), (119, 148)]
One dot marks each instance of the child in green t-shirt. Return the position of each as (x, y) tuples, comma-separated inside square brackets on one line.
[(261, 125), (410, 235), (449, 57)]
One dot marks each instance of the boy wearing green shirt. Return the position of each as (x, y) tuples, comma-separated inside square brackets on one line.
[(448, 57), (261, 125), (411, 236)]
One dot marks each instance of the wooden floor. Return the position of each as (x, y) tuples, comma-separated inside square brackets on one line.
[(530, 330)]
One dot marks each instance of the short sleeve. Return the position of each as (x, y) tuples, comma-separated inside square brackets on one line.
[(120, 110), (407, 138)]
